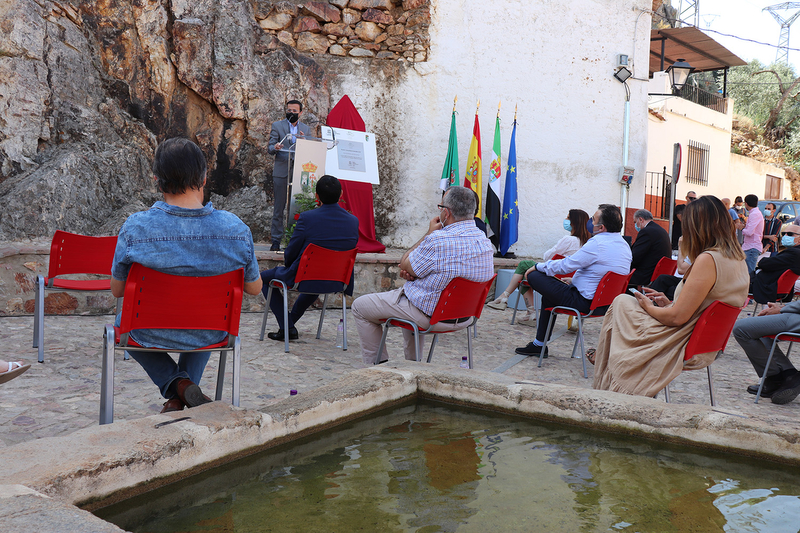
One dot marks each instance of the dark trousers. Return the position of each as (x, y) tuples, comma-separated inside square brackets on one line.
[(554, 292), (303, 302), (666, 284)]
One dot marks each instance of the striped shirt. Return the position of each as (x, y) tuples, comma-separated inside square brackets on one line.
[(458, 250)]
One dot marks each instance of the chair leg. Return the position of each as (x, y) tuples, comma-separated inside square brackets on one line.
[(433, 345), (583, 348), (666, 392), (766, 366), (516, 304), (38, 318), (223, 356), (711, 386), (285, 293), (469, 348), (344, 322), (382, 344), (266, 313), (475, 330), (237, 367), (416, 344), (550, 325), (107, 377), (322, 315)]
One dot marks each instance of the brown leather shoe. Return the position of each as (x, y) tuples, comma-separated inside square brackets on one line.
[(170, 406), (190, 393)]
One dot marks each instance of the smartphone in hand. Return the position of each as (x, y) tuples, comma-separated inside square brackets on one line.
[(634, 291)]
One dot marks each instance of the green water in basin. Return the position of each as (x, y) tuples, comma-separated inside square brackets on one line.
[(430, 467)]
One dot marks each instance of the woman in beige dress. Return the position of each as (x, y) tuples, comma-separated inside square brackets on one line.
[(644, 337)]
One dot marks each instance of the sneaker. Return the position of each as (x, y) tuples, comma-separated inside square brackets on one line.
[(789, 390), (500, 304), (531, 350), (276, 246)]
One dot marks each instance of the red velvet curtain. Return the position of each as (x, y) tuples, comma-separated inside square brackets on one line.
[(356, 196)]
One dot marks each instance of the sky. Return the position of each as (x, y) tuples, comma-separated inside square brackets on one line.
[(745, 19)]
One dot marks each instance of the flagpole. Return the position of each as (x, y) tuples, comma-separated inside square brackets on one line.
[(455, 100), (498, 109)]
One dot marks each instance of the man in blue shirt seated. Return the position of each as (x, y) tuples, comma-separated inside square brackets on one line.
[(328, 226), (605, 252), (181, 236)]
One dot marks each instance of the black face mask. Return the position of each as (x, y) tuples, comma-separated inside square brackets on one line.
[(292, 117)]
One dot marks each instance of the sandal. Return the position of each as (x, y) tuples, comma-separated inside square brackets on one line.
[(15, 368), (590, 354)]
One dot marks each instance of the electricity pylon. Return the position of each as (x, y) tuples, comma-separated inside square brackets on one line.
[(783, 41)]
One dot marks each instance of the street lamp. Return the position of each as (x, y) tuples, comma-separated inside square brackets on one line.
[(678, 74)]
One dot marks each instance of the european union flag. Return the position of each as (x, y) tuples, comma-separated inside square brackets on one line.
[(509, 225)]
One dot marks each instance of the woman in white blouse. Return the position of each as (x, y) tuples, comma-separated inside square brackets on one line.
[(575, 224)]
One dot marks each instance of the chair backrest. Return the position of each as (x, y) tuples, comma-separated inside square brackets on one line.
[(321, 264), (562, 276), (154, 300), (611, 285), (666, 266), (786, 282), (712, 330), (71, 253), (461, 298)]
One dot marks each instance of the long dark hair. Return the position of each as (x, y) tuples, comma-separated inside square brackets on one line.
[(578, 219), (708, 226)]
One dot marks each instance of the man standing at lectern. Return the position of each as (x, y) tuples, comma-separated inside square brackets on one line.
[(279, 144)]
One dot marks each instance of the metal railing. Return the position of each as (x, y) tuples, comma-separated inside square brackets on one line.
[(704, 98), (658, 193)]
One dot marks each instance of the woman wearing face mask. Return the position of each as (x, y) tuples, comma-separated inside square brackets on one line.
[(576, 225), (764, 280), (643, 338)]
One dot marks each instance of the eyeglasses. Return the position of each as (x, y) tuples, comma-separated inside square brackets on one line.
[(791, 234), (440, 206), (692, 198)]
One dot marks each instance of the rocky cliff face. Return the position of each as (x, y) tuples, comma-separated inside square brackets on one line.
[(87, 90)]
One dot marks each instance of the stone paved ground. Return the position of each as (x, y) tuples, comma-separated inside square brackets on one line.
[(62, 395)]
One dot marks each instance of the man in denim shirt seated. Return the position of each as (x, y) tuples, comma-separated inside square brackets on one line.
[(181, 236)]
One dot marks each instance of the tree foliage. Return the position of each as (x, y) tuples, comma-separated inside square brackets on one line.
[(768, 95)]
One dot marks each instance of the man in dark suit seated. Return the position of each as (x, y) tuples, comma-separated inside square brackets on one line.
[(652, 243), (328, 226), (764, 280)]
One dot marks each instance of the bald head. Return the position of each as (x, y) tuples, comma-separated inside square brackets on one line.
[(792, 231), (726, 202)]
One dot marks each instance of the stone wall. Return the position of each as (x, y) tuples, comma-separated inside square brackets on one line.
[(359, 28), (88, 89)]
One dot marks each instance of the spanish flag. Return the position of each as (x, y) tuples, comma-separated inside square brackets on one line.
[(472, 179)]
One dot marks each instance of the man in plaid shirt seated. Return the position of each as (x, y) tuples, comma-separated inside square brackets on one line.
[(452, 247)]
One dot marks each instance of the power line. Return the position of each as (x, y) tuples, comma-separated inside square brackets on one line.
[(722, 33)]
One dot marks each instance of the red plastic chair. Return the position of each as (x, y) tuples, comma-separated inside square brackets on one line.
[(316, 264), (666, 266), (792, 337), (461, 300), (524, 283), (611, 285), (710, 334), (70, 254), (785, 287), (154, 300)]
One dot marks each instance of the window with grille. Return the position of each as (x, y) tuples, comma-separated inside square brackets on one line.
[(697, 172)]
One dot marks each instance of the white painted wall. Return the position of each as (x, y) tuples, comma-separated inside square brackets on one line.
[(554, 60), (730, 175), (749, 176), (684, 121)]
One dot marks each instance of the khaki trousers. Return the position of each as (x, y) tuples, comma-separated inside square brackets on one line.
[(368, 310)]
